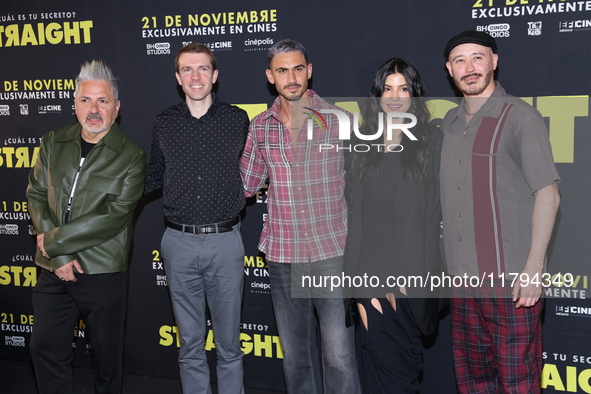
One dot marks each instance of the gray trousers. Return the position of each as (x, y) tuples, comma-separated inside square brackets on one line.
[(199, 268)]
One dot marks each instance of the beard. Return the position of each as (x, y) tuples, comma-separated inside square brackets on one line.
[(474, 89), (95, 129), (293, 96)]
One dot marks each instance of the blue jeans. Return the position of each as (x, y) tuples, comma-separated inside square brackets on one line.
[(297, 326), (200, 267)]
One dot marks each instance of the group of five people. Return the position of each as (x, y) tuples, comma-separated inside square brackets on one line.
[(333, 212)]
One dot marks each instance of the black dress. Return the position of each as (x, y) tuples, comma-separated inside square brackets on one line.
[(389, 350)]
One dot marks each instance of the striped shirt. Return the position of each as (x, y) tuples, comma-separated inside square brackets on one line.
[(307, 213), (490, 170)]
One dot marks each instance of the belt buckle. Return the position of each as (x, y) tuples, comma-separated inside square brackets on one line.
[(194, 229)]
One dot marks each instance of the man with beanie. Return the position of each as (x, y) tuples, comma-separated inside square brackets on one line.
[(499, 199)]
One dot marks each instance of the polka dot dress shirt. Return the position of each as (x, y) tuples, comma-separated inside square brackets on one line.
[(196, 162)]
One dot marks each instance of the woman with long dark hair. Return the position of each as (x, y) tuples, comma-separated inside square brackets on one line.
[(394, 222)]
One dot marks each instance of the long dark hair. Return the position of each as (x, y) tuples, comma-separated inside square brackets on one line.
[(414, 153)]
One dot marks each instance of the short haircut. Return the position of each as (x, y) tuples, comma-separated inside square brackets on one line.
[(285, 46), (96, 70), (195, 47)]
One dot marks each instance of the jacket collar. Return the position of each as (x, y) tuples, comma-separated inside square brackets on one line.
[(113, 139)]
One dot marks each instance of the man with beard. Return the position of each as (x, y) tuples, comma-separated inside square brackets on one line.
[(499, 199), (306, 225), (82, 194)]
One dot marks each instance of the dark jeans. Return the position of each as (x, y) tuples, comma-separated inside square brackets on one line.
[(297, 324)]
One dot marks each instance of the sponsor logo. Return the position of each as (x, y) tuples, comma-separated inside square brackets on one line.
[(9, 229), (258, 42), (24, 109), (534, 28), (4, 110), (50, 109), (14, 340), (496, 30), (571, 26), (159, 48), (572, 310), (219, 45), (162, 45)]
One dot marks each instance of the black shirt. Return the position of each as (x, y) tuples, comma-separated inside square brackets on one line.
[(196, 162), (85, 147)]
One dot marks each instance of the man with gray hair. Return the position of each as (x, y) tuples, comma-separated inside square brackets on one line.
[(82, 194), (306, 225)]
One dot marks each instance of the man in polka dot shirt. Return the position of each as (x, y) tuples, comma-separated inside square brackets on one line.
[(196, 149)]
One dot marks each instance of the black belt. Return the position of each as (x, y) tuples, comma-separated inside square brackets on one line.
[(222, 227)]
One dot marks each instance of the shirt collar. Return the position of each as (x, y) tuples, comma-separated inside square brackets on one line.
[(274, 110), (487, 106), (211, 111)]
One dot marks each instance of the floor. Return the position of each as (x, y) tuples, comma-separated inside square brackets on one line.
[(17, 377)]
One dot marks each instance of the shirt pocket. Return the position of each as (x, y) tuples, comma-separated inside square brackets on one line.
[(273, 153)]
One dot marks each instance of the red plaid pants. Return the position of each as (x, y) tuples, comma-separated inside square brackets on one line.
[(496, 348)]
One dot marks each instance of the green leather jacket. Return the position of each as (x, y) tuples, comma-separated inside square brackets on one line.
[(111, 181)]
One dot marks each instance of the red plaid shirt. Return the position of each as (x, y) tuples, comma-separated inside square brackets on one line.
[(307, 213)]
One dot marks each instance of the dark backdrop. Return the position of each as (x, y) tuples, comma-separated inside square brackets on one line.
[(544, 56)]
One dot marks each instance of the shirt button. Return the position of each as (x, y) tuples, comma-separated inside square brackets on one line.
[(460, 239), (306, 234), (460, 215), (458, 188), (299, 188), (302, 211), (459, 160)]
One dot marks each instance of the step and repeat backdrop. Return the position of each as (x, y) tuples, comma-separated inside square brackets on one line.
[(543, 57)]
